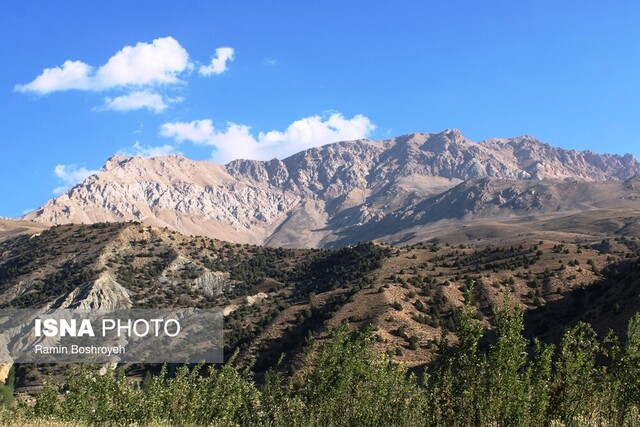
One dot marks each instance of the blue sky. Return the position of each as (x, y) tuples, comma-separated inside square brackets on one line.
[(138, 78)]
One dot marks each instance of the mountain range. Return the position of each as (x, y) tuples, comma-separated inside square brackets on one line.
[(553, 231), (400, 190)]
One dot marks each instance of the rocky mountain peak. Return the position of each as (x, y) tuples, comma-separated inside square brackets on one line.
[(116, 161)]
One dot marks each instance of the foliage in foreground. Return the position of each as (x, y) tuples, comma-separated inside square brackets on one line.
[(512, 383)]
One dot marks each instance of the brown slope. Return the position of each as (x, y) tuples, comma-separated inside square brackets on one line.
[(11, 228), (411, 296), (498, 209)]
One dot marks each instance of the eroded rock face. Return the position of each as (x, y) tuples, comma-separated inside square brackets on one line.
[(105, 293), (211, 283), (308, 198)]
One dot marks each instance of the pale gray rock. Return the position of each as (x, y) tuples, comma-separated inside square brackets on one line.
[(325, 195)]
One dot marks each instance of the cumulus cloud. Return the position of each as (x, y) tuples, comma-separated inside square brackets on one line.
[(236, 140), (145, 64), (138, 75), (197, 131), (139, 100), (218, 64), (70, 175), (71, 75), (140, 150)]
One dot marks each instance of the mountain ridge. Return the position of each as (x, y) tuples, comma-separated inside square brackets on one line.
[(295, 201)]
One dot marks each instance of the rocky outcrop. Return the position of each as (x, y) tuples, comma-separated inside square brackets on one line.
[(105, 293)]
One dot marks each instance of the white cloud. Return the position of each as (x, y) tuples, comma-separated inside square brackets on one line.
[(72, 75), (144, 64), (236, 141), (139, 100), (140, 150), (197, 131), (218, 63), (70, 175)]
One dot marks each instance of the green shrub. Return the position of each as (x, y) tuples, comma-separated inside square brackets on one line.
[(343, 382)]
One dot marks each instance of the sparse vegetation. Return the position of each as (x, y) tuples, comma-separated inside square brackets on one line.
[(472, 365)]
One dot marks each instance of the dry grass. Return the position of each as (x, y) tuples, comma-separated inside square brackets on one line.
[(10, 228)]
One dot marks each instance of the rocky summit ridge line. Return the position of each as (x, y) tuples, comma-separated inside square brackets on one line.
[(400, 190)]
